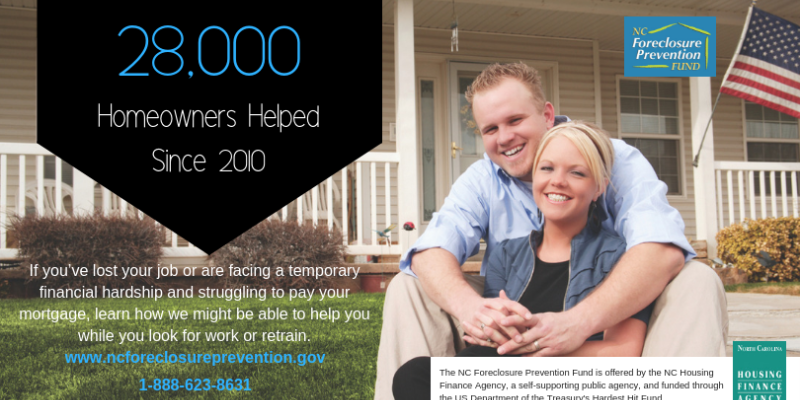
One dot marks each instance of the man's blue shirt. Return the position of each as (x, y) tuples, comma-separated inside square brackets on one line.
[(487, 203)]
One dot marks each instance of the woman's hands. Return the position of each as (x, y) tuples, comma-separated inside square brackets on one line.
[(492, 333), (548, 334), (513, 329)]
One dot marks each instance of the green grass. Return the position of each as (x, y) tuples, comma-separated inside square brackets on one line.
[(34, 366), (789, 288)]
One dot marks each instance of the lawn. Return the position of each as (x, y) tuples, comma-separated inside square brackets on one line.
[(790, 288), (34, 366)]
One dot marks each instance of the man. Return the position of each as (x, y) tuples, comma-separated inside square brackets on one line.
[(493, 200)]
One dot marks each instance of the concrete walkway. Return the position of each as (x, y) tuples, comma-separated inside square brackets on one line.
[(765, 317)]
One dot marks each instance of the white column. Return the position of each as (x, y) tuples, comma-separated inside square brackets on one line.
[(406, 106), (83, 192), (704, 194), (40, 185)]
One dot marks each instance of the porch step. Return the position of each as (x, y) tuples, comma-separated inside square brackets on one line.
[(478, 257), (369, 259), (394, 268), (395, 258), (700, 247)]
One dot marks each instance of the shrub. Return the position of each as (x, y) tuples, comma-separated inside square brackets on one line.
[(282, 244), (85, 240), (742, 244)]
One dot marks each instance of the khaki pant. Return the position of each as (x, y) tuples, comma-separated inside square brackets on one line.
[(690, 319)]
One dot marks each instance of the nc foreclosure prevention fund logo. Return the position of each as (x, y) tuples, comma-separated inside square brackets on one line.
[(670, 46)]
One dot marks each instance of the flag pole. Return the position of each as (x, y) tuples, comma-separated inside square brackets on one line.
[(696, 159)]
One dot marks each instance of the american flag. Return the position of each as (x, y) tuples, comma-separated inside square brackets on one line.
[(766, 66)]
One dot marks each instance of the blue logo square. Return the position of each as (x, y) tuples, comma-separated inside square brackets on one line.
[(670, 46)]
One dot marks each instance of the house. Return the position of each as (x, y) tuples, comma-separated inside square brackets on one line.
[(748, 166)]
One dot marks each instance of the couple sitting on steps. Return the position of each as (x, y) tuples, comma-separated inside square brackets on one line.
[(560, 213)]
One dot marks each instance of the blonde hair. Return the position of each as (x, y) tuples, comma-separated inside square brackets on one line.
[(493, 74), (591, 141)]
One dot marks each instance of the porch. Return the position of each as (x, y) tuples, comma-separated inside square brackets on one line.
[(578, 48), (755, 190), (360, 200)]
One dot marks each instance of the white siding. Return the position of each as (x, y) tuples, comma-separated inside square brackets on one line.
[(574, 66), (387, 88), (17, 76), (728, 120), (729, 141), (574, 60)]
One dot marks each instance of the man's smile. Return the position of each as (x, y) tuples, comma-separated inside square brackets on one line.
[(515, 150)]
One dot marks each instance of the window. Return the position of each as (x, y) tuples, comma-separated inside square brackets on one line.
[(771, 136), (766, 123), (650, 121), (428, 149)]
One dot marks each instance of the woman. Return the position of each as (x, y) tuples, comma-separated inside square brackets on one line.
[(553, 269)]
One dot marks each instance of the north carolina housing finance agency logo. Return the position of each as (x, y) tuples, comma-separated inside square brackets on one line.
[(670, 46), (759, 370)]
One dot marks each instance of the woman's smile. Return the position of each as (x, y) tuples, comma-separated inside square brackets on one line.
[(557, 197)]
